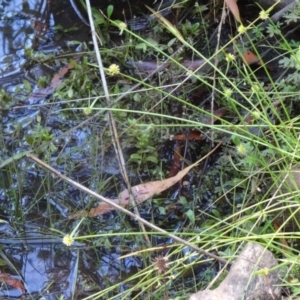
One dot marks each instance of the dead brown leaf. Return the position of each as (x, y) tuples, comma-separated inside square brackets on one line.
[(42, 93), (250, 58), (234, 9), (140, 192), (13, 282)]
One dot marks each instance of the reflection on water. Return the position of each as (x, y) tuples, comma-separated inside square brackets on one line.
[(29, 24), (17, 33), (46, 269)]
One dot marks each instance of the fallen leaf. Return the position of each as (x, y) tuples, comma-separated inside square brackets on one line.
[(13, 282), (143, 191), (196, 135), (140, 192), (249, 119), (192, 135), (176, 160), (193, 64), (218, 113), (42, 93), (250, 58), (145, 66), (234, 9)]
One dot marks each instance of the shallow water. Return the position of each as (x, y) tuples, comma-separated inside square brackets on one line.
[(46, 267)]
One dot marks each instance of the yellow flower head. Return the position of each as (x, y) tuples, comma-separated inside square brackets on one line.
[(87, 110), (68, 240), (122, 27), (227, 93), (256, 114), (264, 15), (229, 57), (241, 149), (113, 70), (242, 29)]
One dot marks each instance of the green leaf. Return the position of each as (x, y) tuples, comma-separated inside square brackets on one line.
[(195, 26), (136, 157), (27, 85), (70, 93), (29, 139), (100, 21), (216, 213), (58, 27), (287, 62), (183, 200), (190, 214), (152, 159), (137, 97), (162, 210), (208, 223), (152, 42), (10, 160), (235, 139), (141, 46), (107, 243), (110, 9), (171, 42)]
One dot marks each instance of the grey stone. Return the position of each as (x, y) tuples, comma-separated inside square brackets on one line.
[(243, 283)]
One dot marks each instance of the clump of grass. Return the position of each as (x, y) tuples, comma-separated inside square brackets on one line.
[(251, 155), (252, 151)]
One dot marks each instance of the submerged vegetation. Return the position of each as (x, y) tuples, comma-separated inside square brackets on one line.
[(223, 93)]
